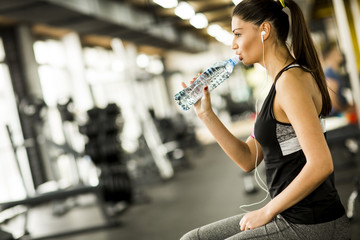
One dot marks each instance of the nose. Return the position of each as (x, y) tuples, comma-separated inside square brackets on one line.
[(234, 45)]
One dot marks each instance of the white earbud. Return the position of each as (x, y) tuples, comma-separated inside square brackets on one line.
[(262, 36)]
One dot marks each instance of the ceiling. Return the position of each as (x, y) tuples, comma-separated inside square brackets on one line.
[(139, 21), (216, 11)]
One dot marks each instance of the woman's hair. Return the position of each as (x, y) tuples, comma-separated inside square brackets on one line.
[(302, 46)]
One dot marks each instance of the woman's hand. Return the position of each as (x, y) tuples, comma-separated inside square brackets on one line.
[(203, 106), (255, 219)]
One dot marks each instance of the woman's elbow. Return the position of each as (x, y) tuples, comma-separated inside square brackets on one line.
[(330, 168), (330, 165), (247, 168), (322, 169), (327, 169)]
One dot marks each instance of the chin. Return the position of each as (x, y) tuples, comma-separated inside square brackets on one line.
[(246, 63)]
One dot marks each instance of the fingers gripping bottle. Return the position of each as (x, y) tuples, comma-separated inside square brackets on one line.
[(212, 78)]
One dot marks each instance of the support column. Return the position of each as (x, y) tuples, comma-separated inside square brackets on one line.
[(355, 10), (25, 80), (348, 49)]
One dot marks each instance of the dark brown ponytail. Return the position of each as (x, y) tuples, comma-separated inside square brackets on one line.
[(302, 46), (305, 52)]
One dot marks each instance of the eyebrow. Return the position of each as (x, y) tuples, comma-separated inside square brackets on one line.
[(237, 29)]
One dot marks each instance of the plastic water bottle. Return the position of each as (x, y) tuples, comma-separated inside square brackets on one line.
[(212, 78)]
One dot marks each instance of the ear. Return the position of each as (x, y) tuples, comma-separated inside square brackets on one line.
[(265, 29)]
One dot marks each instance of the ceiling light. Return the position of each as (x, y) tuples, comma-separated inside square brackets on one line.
[(167, 3), (142, 60), (213, 30), (225, 37), (199, 21), (220, 34), (155, 66), (184, 10), (236, 2)]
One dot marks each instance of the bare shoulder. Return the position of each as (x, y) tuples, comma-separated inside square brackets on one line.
[(296, 89), (296, 80)]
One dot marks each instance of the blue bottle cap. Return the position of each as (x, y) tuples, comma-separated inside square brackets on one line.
[(235, 59)]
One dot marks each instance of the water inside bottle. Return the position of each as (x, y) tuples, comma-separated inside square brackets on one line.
[(183, 100), (212, 77)]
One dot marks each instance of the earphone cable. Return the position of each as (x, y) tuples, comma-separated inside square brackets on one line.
[(257, 176)]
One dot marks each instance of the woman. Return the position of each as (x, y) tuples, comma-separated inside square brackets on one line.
[(288, 133)]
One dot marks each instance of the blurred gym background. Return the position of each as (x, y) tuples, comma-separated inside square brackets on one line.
[(92, 145)]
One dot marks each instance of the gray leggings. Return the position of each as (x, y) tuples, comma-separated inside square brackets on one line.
[(277, 229)]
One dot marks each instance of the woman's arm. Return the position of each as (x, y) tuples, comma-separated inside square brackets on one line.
[(296, 101), (242, 153)]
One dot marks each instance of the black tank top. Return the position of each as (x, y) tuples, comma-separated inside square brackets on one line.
[(284, 159)]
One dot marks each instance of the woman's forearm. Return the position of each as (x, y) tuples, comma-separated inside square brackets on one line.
[(236, 149)]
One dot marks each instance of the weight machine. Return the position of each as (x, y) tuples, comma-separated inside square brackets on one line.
[(114, 186)]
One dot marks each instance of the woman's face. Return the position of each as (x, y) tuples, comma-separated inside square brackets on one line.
[(247, 41)]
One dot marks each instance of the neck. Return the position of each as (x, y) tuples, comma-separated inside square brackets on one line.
[(276, 58)]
